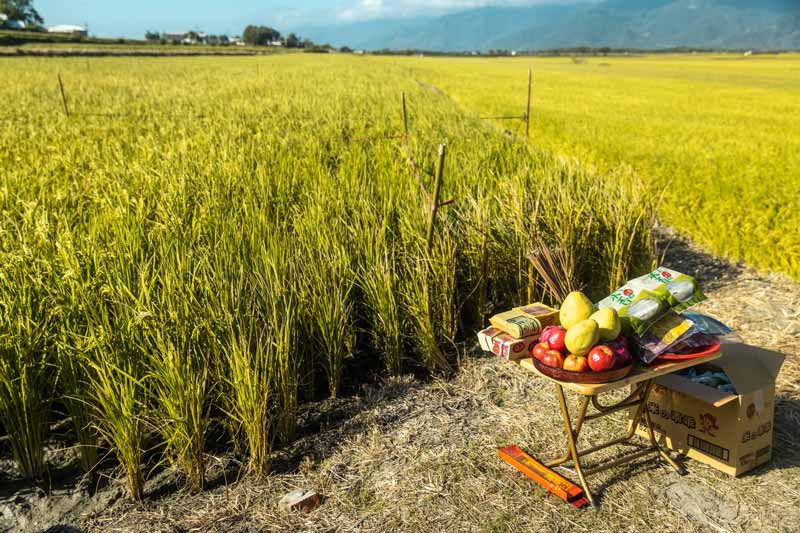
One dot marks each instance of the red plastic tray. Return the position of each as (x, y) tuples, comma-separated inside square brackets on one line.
[(702, 351)]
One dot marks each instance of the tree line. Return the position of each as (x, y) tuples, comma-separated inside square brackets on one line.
[(22, 11), (266, 36)]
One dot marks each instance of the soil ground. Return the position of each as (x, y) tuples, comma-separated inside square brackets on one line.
[(422, 456)]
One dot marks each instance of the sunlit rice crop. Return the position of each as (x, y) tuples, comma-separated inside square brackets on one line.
[(240, 236)]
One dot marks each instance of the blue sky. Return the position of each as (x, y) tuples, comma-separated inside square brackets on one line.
[(131, 19)]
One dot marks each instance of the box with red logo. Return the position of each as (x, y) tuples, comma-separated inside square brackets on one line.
[(504, 345), (730, 432)]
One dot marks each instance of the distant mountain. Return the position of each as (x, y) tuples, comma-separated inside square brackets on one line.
[(653, 24)]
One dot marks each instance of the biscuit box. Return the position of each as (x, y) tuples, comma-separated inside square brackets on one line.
[(504, 345), (730, 432)]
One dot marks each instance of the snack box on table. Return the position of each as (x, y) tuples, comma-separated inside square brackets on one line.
[(730, 432), (525, 321), (504, 345)]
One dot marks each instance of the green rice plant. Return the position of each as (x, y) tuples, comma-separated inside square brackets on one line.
[(429, 298), (181, 391), (26, 380), (178, 362), (116, 350), (27, 375), (475, 257), (381, 284), (74, 382), (261, 372), (329, 280), (116, 395)]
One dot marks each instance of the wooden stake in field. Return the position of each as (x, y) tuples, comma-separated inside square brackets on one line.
[(405, 122), (436, 189), (528, 108), (63, 96)]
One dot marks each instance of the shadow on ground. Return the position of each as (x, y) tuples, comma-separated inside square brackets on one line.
[(680, 254)]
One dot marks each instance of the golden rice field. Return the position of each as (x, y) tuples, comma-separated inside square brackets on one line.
[(211, 242), (717, 135)]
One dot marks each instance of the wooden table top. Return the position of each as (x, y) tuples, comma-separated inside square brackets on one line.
[(638, 374)]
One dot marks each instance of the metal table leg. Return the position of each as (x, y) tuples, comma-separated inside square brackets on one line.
[(677, 466), (638, 399), (571, 437)]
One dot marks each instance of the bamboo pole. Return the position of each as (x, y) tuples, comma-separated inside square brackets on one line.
[(63, 96), (528, 108), (436, 189), (405, 121)]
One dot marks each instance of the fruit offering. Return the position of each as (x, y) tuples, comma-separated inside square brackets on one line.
[(601, 358), (575, 308), (608, 322), (553, 358), (582, 337), (587, 340), (554, 337)]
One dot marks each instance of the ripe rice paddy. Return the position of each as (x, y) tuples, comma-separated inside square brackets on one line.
[(716, 135), (205, 241), (208, 241)]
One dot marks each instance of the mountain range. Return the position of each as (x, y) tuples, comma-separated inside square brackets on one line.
[(641, 24)]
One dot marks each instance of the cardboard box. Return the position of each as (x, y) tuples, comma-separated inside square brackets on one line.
[(504, 345), (730, 432)]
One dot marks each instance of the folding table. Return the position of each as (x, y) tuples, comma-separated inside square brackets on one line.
[(642, 377)]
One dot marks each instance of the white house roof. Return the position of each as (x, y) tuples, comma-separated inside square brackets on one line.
[(65, 28)]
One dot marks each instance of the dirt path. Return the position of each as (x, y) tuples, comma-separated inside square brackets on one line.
[(416, 456)]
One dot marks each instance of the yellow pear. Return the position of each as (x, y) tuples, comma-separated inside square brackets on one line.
[(575, 307), (582, 337), (609, 323)]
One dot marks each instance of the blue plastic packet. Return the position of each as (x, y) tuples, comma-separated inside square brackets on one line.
[(708, 324)]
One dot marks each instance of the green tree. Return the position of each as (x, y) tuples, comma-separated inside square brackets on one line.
[(21, 10), (292, 41), (260, 35)]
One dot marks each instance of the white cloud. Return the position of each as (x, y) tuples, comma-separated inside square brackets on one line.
[(373, 9)]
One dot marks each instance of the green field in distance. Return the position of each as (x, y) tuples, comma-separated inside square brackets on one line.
[(717, 134)]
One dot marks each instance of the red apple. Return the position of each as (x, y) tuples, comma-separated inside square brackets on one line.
[(554, 337), (539, 350), (553, 358), (621, 352), (576, 363), (601, 358)]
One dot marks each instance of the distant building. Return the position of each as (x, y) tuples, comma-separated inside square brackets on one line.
[(70, 29), (276, 43)]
